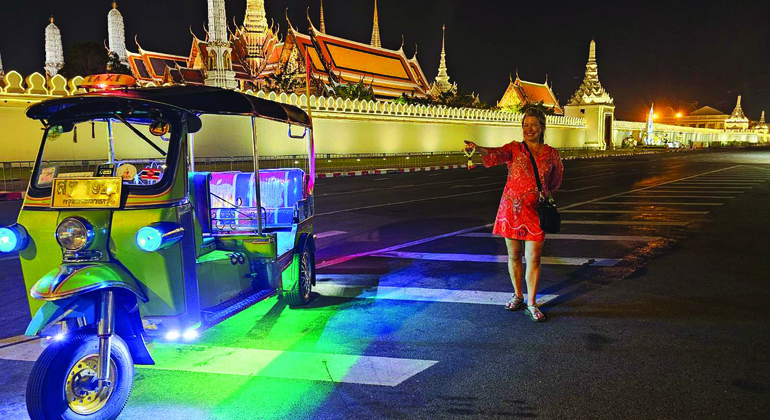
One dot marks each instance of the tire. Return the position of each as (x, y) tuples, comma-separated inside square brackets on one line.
[(299, 295), (51, 383)]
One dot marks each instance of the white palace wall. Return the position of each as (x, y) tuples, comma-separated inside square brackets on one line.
[(341, 126)]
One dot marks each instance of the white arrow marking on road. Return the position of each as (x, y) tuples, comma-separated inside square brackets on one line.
[(604, 262), (420, 294), (347, 368)]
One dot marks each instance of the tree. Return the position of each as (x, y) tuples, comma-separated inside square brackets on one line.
[(84, 59), (283, 82), (115, 66), (352, 91)]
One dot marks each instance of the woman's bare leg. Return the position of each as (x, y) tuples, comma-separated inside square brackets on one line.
[(532, 252), (515, 265)]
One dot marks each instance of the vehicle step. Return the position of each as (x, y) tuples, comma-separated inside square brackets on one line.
[(227, 309)]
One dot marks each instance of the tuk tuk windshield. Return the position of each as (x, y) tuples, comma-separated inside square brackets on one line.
[(134, 150)]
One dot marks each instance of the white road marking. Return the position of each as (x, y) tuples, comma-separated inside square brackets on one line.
[(677, 196), (588, 176), (636, 211), (654, 203), (723, 181), (713, 191), (579, 189), (500, 183), (421, 294), (645, 188), (622, 222), (330, 233), (9, 257), (604, 262), (552, 236), (329, 367), (706, 187), (438, 174), (396, 247), (380, 179), (497, 190), (17, 348)]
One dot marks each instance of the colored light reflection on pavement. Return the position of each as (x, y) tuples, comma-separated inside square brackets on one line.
[(271, 361)]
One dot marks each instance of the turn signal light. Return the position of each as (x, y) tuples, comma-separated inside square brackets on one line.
[(159, 235), (13, 238)]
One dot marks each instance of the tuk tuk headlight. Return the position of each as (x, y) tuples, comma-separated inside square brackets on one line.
[(13, 238), (74, 234), (159, 235)]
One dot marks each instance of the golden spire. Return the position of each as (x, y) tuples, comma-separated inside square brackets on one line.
[(323, 25), (376, 29)]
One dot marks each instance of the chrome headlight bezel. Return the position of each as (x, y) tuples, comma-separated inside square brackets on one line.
[(82, 239)]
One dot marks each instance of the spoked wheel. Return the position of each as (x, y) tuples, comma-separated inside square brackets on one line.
[(299, 295), (63, 383)]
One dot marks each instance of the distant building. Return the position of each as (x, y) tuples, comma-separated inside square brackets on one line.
[(704, 117), (54, 54), (520, 92)]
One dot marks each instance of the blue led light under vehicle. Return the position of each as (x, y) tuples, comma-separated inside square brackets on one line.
[(159, 235), (13, 238)]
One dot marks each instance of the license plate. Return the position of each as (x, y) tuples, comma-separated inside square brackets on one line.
[(86, 192)]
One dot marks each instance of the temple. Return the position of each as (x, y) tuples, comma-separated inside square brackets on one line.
[(254, 57), (737, 120), (54, 54), (591, 102), (521, 93), (441, 84)]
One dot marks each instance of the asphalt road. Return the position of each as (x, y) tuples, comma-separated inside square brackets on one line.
[(656, 291)]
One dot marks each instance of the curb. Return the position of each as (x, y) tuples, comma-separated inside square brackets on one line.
[(386, 171), (11, 195)]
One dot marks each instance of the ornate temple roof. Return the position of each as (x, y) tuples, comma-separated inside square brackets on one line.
[(520, 92), (389, 72), (707, 110), (150, 66), (591, 90)]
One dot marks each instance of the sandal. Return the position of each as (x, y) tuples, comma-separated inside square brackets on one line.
[(515, 303), (535, 313)]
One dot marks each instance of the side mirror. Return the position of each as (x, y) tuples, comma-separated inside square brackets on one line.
[(159, 127)]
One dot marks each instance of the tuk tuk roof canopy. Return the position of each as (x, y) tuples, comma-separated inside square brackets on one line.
[(195, 99)]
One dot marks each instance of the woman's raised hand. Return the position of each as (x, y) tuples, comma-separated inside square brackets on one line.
[(469, 145)]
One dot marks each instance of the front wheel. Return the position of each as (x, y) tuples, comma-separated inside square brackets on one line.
[(299, 295), (62, 384)]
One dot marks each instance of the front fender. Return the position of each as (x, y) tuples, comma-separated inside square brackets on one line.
[(53, 312), (128, 323), (75, 279)]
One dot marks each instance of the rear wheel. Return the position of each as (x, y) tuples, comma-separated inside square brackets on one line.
[(299, 295), (63, 381)]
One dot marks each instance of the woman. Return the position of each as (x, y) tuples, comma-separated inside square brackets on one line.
[(517, 219)]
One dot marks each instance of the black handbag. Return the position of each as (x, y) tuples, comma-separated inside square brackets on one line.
[(550, 219)]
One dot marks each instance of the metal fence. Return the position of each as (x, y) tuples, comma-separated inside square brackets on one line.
[(14, 176)]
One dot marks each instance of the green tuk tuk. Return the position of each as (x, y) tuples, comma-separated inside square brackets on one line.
[(120, 238)]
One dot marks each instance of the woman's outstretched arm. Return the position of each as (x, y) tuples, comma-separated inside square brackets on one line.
[(469, 145)]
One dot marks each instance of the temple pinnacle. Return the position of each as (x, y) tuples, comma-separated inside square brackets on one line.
[(323, 25), (376, 29)]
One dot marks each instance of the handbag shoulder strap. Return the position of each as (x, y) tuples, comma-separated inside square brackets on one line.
[(534, 166)]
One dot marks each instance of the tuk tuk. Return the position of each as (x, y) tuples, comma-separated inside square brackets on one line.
[(120, 238)]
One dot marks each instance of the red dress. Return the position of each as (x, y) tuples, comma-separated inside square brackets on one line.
[(517, 216)]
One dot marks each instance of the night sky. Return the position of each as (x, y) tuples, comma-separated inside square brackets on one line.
[(680, 55)]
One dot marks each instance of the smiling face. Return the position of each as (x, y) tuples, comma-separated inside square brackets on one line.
[(531, 128)]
